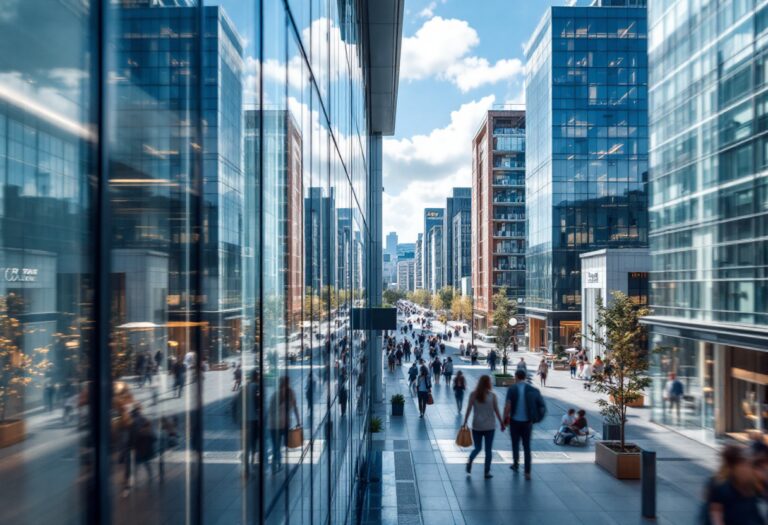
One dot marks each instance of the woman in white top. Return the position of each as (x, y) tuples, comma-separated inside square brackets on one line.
[(485, 405)]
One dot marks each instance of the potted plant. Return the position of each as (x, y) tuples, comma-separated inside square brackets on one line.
[(504, 309), (618, 331), (398, 403), (375, 425), (16, 369)]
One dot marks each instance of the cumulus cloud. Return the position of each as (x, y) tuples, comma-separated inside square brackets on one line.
[(440, 48), (429, 11)]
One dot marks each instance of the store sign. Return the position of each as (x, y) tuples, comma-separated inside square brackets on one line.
[(19, 275), (593, 278), (638, 275), (433, 214)]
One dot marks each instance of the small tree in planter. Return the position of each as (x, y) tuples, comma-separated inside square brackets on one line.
[(619, 332), (504, 309), (17, 369), (398, 403)]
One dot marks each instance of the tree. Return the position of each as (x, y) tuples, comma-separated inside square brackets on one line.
[(436, 303), (461, 308), (504, 309), (446, 295), (17, 368), (422, 297), (618, 330), (390, 296)]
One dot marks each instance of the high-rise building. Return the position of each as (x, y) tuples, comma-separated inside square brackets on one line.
[(436, 241), (343, 249), (461, 248), (390, 259), (460, 200), (587, 156), (419, 280), (709, 215), (406, 272), (432, 217), (319, 238), (498, 212), (406, 250), (153, 175)]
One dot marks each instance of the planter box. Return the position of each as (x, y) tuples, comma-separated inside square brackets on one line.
[(622, 465), (397, 409), (504, 380), (637, 403), (11, 432)]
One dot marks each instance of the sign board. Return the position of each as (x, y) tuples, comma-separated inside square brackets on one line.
[(19, 275), (374, 319), (593, 278), (433, 214)]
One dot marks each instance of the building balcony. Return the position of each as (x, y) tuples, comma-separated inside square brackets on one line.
[(508, 233)]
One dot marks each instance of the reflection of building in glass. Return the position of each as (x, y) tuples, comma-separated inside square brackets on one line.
[(460, 200), (498, 211), (587, 154), (319, 238), (432, 217), (343, 248), (709, 218)]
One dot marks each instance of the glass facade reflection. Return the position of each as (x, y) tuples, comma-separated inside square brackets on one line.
[(186, 226), (709, 212), (587, 144)]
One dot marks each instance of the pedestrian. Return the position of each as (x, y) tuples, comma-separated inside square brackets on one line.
[(459, 387), (281, 406), (423, 389), (734, 495), (252, 412), (542, 371), (413, 373), (391, 361), (343, 396), (598, 367), (572, 365), (486, 406), (673, 394), (437, 368), (179, 373), (237, 376), (522, 366), (492, 360), (524, 407), (461, 347), (448, 370)]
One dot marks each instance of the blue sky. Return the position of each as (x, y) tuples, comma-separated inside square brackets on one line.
[(459, 58)]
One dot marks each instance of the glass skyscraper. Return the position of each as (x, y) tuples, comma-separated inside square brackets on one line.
[(587, 144), (709, 213), (460, 200), (432, 217), (167, 353)]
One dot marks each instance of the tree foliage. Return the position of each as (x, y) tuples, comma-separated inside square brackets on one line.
[(461, 308), (618, 330), (446, 295), (504, 309), (391, 296), (421, 297)]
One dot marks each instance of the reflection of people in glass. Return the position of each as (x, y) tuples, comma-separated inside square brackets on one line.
[(673, 392), (281, 405), (252, 408)]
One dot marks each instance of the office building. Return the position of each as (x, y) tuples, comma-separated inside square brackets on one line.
[(461, 248), (709, 216), (154, 177), (435, 261), (419, 280), (406, 250), (390, 260), (343, 249), (432, 217), (460, 200), (498, 212), (406, 272), (587, 154)]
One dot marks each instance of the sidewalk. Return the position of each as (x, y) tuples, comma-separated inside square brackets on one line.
[(567, 486)]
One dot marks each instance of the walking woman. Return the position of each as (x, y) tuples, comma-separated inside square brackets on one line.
[(423, 387), (484, 402), (459, 386), (542, 371)]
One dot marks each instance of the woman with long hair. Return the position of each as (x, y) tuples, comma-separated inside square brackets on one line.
[(486, 406), (459, 386)]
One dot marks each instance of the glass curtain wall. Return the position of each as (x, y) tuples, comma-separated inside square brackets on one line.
[(166, 354)]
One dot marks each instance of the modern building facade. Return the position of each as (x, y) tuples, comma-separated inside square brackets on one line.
[(460, 200), (461, 248), (152, 234), (435, 243), (319, 238), (432, 217), (498, 212), (419, 261), (587, 139), (709, 217), (390, 260), (406, 274)]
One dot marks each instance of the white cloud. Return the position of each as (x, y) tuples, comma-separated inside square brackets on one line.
[(421, 170), (429, 11), (440, 48)]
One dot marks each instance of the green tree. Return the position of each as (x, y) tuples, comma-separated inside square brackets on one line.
[(461, 308), (390, 296), (446, 294), (504, 309), (618, 330), (422, 297), (435, 302)]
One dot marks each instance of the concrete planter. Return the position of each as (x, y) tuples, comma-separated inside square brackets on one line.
[(397, 409), (501, 380), (12, 431), (622, 465)]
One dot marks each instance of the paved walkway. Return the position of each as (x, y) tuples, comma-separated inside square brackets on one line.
[(423, 479)]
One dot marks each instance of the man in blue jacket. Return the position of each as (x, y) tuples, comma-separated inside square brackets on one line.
[(524, 407)]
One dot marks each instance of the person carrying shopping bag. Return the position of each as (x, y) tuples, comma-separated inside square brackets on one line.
[(485, 405)]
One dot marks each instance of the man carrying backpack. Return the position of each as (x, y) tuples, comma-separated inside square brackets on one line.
[(524, 407)]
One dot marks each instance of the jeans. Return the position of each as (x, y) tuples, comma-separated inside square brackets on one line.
[(279, 436), (573, 371), (459, 399), (478, 436), (423, 402), (521, 430)]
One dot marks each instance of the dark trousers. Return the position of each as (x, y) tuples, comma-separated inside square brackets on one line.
[(423, 401), (521, 430), (478, 436)]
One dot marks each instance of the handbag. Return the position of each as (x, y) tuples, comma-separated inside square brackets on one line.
[(430, 399), (296, 437), (464, 437)]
